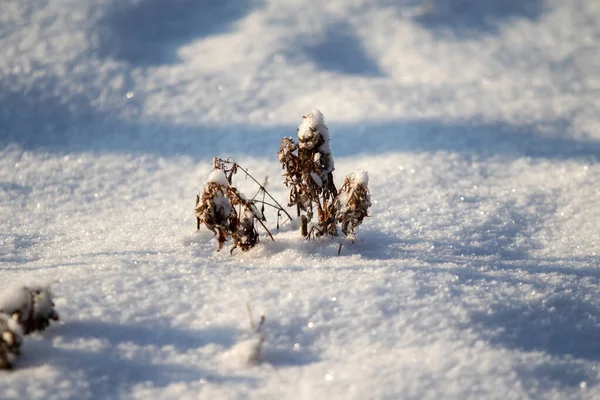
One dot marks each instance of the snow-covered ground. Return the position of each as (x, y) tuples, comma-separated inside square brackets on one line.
[(476, 276)]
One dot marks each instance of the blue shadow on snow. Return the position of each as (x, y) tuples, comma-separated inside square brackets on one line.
[(467, 18), (149, 32), (338, 49), (561, 325), (37, 121)]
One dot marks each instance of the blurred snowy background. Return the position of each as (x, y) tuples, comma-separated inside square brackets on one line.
[(478, 121)]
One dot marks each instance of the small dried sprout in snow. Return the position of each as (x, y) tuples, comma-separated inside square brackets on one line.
[(214, 209), (31, 306), (248, 351), (353, 201), (10, 341)]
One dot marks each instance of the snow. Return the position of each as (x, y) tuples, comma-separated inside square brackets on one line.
[(15, 299), (222, 205), (217, 176), (312, 126), (359, 178), (476, 276), (243, 353)]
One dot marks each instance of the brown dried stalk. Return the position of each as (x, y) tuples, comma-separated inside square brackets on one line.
[(243, 232), (308, 167)]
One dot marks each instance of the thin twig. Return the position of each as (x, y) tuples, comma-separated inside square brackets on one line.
[(263, 188), (263, 225), (267, 204)]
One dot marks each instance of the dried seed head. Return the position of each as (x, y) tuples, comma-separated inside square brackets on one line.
[(313, 132), (226, 211), (214, 208), (287, 149), (353, 201)]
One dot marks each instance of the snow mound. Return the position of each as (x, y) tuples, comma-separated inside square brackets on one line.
[(217, 176)]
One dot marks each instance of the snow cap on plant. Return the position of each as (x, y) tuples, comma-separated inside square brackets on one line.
[(308, 173), (313, 136), (17, 302), (353, 201), (31, 306), (217, 176)]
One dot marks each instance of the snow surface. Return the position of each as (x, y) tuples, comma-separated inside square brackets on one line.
[(476, 277)]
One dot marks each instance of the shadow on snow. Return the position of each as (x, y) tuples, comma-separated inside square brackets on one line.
[(145, 335), (561, 325), (108, 372), (43, 124), (337, 49), (468, 18), (149, 32)]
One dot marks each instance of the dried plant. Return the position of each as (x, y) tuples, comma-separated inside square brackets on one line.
[(308, 167), (10, 341), (352, 202), (23, 310), (308, 170), (32, 308), (214, 209), (243, 230), (227, 212)]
